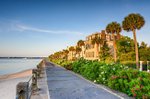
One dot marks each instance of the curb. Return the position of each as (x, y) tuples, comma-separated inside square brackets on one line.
[(46, 83)]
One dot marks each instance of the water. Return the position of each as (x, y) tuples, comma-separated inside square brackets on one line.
[(8, 66)]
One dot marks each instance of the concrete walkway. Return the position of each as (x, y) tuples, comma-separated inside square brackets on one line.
[(63, 84)]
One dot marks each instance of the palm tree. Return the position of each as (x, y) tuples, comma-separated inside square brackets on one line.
[(81, 43), (61, 54), (143, 45), (78, 50), (72, 49), (133, 22), (104, 51), (97, 41), (114, 28), (103, 35), (66, 53)]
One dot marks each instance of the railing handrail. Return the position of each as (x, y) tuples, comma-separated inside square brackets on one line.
[(26, 87), (30, 87)]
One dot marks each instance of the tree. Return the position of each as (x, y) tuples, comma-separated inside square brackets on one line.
[(80, 44), (97, 41), (133, 22), (72, 49), (78, 50), (125, 45), (104, 52), (66, 53), (114, 28), (143, 45), (125, 48), (144, 52)]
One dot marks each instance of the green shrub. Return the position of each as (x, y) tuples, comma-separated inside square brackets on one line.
[(130, 64), (132, 82), (78, 64), (91, 70), (98, 72), (116, 76), (106, 70), (67, 65)]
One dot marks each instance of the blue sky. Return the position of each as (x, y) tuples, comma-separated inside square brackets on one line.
[(41, 27)]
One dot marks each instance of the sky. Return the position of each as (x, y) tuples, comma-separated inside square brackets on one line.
[(42, 27)]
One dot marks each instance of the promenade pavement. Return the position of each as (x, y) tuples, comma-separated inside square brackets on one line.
[(63, 84)]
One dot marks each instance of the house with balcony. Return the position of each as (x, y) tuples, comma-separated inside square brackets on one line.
[(91, 51)]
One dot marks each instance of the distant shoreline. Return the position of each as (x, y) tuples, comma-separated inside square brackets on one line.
[(22, 57)]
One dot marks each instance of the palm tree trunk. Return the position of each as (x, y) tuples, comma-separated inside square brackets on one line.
[(79, 54), (67, 57), (82, 51), (97, 52), (136, 49), (115, 47), (71, 55)]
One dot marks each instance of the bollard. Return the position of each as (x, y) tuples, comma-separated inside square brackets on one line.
[(34, 79), (38, 66), (39, 69), (38, 73), (43, 63), (141, 67), (148, 66), (22, 90)]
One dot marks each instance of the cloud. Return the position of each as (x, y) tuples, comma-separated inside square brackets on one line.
[(9, 26), (33, 29)]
